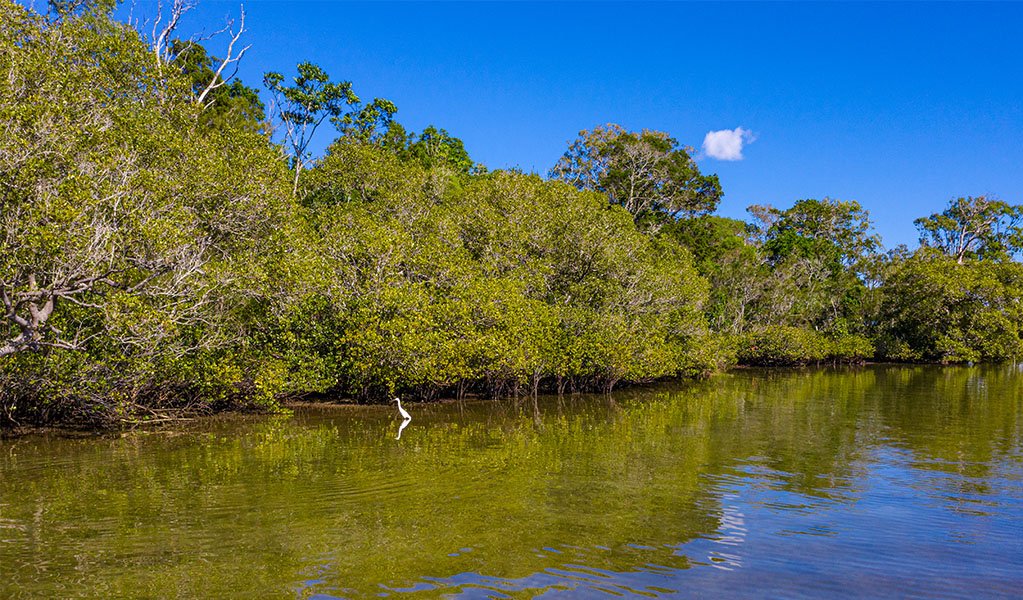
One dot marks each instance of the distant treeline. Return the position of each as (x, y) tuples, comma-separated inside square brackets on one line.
[(168, 244)]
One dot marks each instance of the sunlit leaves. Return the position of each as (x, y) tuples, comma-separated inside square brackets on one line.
[(145, 232), (648, 173), (501, 282), (971, 227), (937, 309)]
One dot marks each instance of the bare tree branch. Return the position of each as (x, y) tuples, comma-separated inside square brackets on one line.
[(218, 80), (161, 39)]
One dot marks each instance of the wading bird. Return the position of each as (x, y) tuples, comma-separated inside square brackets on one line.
[(401, 410)]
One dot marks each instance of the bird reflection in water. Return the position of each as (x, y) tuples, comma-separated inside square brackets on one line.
[(404, 414)]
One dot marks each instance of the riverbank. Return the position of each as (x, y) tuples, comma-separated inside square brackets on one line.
[(169, 419)]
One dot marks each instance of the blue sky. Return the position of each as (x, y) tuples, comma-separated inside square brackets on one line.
[(899, 106)]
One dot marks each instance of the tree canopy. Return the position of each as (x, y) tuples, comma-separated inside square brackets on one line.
[(648, 173), (159, 253), (974, 227), (228, 103)]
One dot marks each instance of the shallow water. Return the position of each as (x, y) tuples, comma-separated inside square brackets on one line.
[(868, 482)]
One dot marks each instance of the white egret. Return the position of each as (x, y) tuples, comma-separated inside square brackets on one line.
[(401, 410)]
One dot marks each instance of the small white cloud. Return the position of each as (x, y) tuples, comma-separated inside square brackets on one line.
[(727, 144)]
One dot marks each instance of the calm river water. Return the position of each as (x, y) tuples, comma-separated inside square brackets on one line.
[(872, 482)]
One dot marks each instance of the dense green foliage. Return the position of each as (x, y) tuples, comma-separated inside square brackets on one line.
[(975, 228), (231, 103), (647, 173), (937, 309), (436, 282), (134, 251), (164, 245)]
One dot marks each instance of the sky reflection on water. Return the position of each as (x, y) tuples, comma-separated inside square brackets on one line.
[(873, 482)]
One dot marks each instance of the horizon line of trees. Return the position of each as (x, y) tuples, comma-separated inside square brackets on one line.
[(168, 244)]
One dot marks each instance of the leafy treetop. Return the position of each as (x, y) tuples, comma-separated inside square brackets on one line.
[(231, 103), (647, 172), (974, 227), (836, 230), (312, 99)]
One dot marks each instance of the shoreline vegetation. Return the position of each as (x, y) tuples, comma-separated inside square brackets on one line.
[(181, 419), (168, 246)]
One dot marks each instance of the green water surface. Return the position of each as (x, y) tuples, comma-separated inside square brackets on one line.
[(878, 481)]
